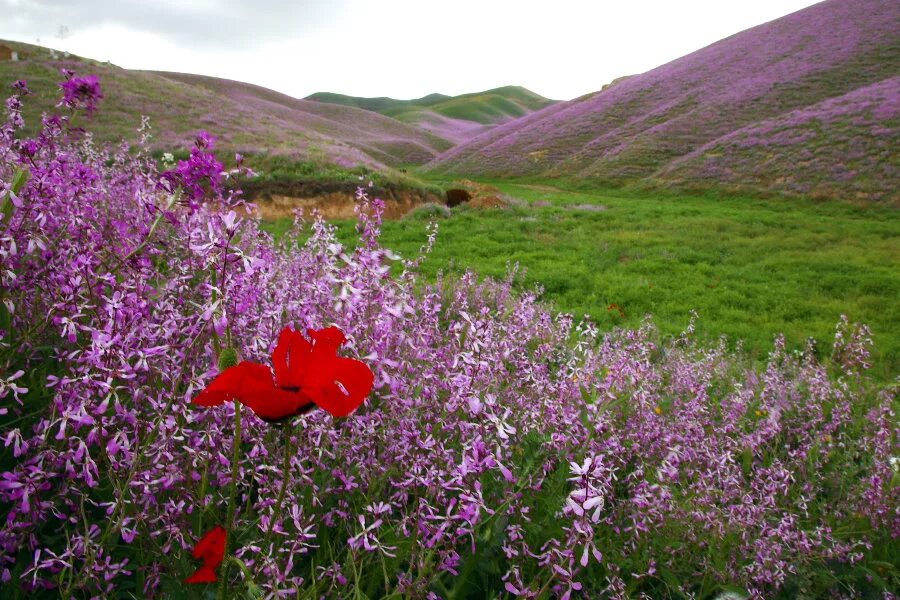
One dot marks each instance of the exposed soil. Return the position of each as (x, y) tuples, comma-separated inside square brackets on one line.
[(336, 205), (488, 201), (478, 195), (333, 200)]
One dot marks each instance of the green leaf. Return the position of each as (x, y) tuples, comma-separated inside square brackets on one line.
[(228, 357), (747, 461), (18, 182), (672, 581)]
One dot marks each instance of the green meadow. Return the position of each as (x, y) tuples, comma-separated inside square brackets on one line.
[(751, 268)]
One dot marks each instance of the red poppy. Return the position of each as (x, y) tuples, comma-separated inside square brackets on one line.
[(211, 550), (307, 374)]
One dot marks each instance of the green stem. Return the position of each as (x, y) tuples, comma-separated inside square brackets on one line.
[(229, 521), (204, 481), (285, 474)]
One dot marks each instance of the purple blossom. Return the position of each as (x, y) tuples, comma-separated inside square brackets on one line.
[(200, 175), (80, 93)]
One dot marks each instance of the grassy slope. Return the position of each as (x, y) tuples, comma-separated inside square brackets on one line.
[(379, 104), (245, 117), (282, 175), (751, 268), (637, 129), (452, 117)]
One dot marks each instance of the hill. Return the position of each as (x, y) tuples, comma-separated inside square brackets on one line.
[(456, 118), (245, 117), (804, 104)]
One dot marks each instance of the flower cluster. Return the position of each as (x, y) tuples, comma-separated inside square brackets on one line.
[(200, 175), (80, 93), (307, 373), (504, 449)]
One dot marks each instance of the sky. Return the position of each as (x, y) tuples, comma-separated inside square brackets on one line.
[(560, 49)]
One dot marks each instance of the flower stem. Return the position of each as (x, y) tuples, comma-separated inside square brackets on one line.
[(232, 497), (285, 476)]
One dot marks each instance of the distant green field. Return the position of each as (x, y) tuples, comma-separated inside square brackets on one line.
[(750, 268), (490, 106)]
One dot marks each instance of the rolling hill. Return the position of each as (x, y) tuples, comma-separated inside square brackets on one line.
[(457, 118), (245, 117), (805, 104)]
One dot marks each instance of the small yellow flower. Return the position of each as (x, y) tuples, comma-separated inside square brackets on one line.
[(657, 410), (759, 413)]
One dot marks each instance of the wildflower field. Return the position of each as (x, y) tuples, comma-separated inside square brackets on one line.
[(751, 267), (192, 408)]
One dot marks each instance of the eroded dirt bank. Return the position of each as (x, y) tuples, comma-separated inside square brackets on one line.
[(334, 200)]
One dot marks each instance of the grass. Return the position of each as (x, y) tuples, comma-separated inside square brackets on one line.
[(490, 106), (485, 109), (279, 171), (750, 267)]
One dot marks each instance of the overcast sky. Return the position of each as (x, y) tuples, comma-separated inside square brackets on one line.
[(400, 48)]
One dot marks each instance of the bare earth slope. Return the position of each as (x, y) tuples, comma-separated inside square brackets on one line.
[(245, 117), (680, 122)]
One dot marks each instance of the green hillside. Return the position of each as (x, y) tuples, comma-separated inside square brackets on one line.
[(454, 117)]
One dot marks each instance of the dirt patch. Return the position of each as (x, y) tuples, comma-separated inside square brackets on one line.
[(480, 195), (337, 205), (488, 202), (334, 201)]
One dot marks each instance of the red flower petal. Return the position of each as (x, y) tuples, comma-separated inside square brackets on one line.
[(326, 342), (211, 547), (245, 379), (355, 379), (305, 373), (276, 404), (203, 575), (251, 384), (211, 550), (290, 358)]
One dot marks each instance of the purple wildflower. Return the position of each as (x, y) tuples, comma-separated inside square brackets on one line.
[(80, 93)]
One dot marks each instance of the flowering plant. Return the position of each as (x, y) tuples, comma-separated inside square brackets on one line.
[(80, 92), (505, 450)]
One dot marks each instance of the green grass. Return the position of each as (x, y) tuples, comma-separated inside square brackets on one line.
[(490, 106), (751, 268), (281, 174)]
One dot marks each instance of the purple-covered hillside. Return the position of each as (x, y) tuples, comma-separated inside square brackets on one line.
[(646, 126)]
